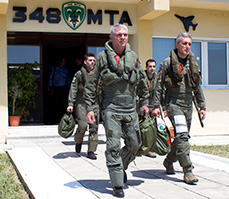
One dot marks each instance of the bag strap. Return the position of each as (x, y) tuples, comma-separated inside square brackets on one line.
[(167, 129)]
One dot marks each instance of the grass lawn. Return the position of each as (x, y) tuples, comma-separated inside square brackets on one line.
[(10, 185), (219, 150)]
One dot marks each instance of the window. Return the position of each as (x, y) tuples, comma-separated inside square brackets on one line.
[(217, 64), (23, 54), (96, 43), (25, 48), (161, 49), (211, 56), (95, 50), (196, 49)]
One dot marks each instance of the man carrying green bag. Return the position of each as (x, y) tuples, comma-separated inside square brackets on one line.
[(179, 78)]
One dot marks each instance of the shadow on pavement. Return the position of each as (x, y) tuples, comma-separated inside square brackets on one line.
[(67, 143), (66, 155), (101, 186), (156, 174)]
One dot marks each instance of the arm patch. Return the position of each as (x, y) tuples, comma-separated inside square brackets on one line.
[(74, 78)]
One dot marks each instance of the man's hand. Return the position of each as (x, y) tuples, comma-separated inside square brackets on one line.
[(70, 109), (203, 114), (156, 112), (90, 117), (165, 114), (145, 110)]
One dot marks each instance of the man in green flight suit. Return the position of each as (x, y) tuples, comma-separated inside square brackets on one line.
[(121, 76), (75, 100), (151, 75), (180, 77)]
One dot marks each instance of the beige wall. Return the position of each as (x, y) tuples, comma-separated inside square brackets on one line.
[(149, 10), (3, 81), (144, 40), (211, 23)]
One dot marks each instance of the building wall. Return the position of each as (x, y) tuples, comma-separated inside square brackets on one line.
[(211, 23), (3, 81), (148, 20), (144, 40)]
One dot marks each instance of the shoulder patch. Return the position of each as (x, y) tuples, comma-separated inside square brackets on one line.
[(74, 78)]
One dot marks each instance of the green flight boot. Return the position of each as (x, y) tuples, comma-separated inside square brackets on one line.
[(189, 177), (118, 192), (169, 166)]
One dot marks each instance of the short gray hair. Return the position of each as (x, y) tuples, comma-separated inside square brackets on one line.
[(182, 34), (117, 26)]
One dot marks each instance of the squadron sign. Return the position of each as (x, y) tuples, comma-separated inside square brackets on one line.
[(74, 14)]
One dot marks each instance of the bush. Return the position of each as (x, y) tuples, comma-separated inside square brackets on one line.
[(24, 79)]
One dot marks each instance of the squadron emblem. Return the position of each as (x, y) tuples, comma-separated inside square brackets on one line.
[(74, 14)]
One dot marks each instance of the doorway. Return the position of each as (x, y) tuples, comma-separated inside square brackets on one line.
[(48, 48), (72, 47), (55, 46)]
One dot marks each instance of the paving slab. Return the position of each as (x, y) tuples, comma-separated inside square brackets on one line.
[(50, 168), (43, 177)]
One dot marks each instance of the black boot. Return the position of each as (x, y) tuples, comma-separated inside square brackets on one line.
[(118, 192), (91, 155), (124, 177), (78, 147), (169, 166)]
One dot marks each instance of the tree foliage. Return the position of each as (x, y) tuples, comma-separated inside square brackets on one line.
[(25, 80)]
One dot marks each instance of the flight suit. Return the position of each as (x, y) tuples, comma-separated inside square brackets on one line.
[(180, 79), (75, 99), (152, 85), (121, 76)]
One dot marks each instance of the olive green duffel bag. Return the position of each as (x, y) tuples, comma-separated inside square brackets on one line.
[(163, 140), (148, 131), (66, 126), (154, 135)]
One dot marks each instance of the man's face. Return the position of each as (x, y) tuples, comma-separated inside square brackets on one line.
[(90, 63), (62, 63), (78, 61), (184, 47), (151, 67), (119, 38)]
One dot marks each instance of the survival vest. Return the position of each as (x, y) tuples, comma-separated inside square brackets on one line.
[(175, 75), (114, 71)]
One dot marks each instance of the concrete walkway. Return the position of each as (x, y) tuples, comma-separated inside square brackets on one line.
[(50, 168)]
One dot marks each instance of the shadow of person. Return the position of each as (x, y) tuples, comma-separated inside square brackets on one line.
[(68, 143), (66, 155), (155, 175), (101, 186)]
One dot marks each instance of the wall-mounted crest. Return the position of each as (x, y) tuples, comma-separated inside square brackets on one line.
[(74, 14)]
